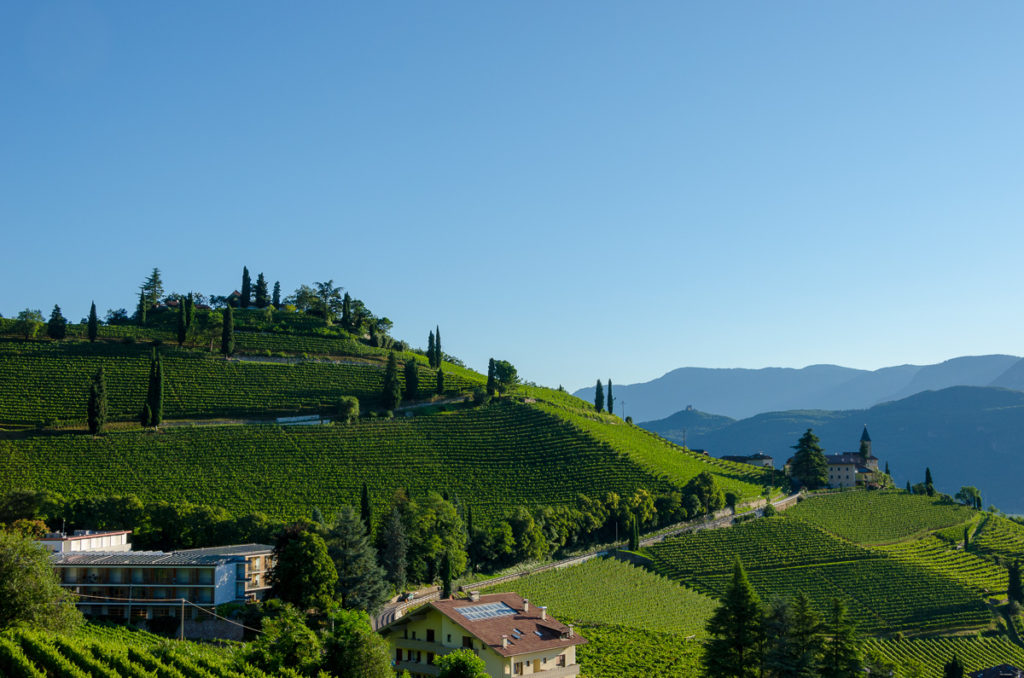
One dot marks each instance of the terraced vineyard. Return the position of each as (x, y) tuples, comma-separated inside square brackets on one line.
[(879, 517), (932, 653), (492, 458), (47, 381), (624, 652), (609, 591), (655, 453), (936, 554), (784, 556), (38, 655), (759, 544), (999, 536)]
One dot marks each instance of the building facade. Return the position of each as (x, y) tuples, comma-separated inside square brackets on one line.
[(511, 636)]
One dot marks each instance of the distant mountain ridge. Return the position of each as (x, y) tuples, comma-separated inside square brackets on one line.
[(740, 393), (966, 435)]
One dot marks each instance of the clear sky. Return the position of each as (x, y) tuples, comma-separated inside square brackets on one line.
[(587, 189)]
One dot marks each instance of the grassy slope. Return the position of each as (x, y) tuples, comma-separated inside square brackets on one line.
[(492, 458), (785, 556), (648, 449), (879, 517)]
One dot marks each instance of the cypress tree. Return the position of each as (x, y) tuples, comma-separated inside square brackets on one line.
[(227, 332), (1014, 590), (141, 315), (842, 652), (440, 381), (97, 408), (634, 533), (276, 299), (928, 486), (446, 576), (735, 631), (246, 294), (94, 322), (492, 381), (953, 668), (190, 311), (346, 312), (611, 400), (412, 379), (438, 353), (887, 469), (967, 538), (365, 511), (430, 350), (146, 415), (909, 490), (182, 328), (155, 395), (57, 328), (262, 293), (392, 392), (599, 397), (393, 549)]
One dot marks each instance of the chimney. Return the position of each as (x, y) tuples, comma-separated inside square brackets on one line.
[(572, 631), (504, 641), (544, 612), (526, 605), (474, 596)]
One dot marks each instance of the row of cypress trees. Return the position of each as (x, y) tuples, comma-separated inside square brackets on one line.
[(434, 353), (152, 414), (599, 398)]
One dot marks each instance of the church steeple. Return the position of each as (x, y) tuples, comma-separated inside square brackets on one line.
[(865, 443)]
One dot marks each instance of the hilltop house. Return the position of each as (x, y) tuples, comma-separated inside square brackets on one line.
[(852, 469), (759, 459), (513, 638), (117, 584)]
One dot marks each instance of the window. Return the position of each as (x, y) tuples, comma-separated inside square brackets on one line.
[(449, 637), (467, 641), (430, 657), (398, 655), (517, 669), (430, 635)]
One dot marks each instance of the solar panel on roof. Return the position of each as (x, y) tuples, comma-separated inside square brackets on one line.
[(485, 611)]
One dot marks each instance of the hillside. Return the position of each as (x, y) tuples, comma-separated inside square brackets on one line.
[(740, 393), (966, 435)]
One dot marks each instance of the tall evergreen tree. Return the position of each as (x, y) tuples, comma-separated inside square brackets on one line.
[(599, 396), (182, 327), (776, 626), (806, 637), (262, 293), (94, 323), (412, 379), (152, 288), (909, 489), (809, 464), (634, 533), (155, 394), (361, 583), (438, 353), (929, 487), (393, 549), (190, 310), (346, 313), (391, 396), (611, 399), (735, 631), (953, 668), (276, 298), (245, 296), (97, 407), (430, 350), (887, 469), (842, 647), (140, 315), (446, 576), (440, 381), (1014, 590), (57, 328), (146, 415), (227, 332), (492, 382), (365, 511)]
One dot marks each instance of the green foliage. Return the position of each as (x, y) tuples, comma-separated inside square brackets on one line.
[(611, 398), (151, 290), (285, 643), (599, 396), (809, 465), (245, 296), (262, 293), (94, 322), (391, 394), (97, 407), (351, 648), (623, 652), (348, 409), (932, 653), (841, 651), (360, 581), (969, 496), (609, 591), (734, 630), (155, 393), (304, 575), (227, 333), (29, 591), (57, 327), (461, 663), (939, 555), (879, 517), (412, 379), (393, 547), (28, 323), (506, 377), (492, 383)]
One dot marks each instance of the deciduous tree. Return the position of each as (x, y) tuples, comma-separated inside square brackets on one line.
[(462, 663), (28, 323), (304, 575), (352, 648), (30, 592)]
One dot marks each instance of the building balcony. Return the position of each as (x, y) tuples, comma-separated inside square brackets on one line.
[(420, 644), (558, 671), (417, 667)]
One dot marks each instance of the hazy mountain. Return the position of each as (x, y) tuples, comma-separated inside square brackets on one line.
[(966, 435), (743, 393)]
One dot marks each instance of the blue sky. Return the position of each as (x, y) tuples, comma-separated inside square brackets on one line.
[(586, 189)]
